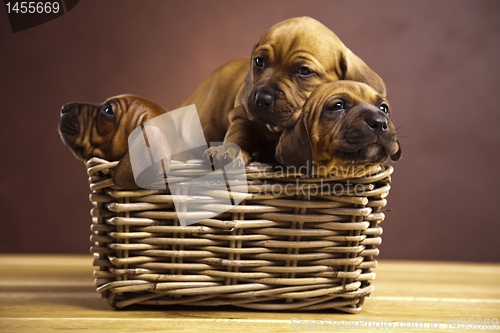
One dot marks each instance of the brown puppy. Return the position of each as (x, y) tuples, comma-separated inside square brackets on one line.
[(102, 130), (345, 127), (249, 102)]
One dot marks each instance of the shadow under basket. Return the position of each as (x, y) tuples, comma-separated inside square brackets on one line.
[(294, 243)]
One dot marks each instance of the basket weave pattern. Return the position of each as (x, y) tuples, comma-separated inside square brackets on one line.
[(299, 250)]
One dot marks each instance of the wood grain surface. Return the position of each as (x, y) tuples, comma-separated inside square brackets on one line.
[(41, 293)]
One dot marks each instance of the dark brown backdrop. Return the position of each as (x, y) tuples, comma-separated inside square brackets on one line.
[(439, 59)]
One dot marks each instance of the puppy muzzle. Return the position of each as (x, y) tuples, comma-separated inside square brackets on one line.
[(377, 122), (68, 123), (270, 106), (369, 135)]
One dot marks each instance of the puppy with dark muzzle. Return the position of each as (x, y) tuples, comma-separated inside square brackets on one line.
[(102, 130), (345, 128), (248, 102)]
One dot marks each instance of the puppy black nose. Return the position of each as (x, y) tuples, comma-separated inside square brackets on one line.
[(68, 107), (377, 121), (264, 99)]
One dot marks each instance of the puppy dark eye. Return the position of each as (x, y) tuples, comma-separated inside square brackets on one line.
[(338, 106), (108, 110), (384, 108), (303, 70), (259, 62)]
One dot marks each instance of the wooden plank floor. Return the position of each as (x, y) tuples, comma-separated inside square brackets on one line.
[(44, 293)]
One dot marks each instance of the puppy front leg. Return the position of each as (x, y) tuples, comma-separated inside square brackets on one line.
[(244, 134)]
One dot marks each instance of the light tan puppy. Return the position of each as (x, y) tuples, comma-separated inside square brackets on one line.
[(345, 127), (249, 102)]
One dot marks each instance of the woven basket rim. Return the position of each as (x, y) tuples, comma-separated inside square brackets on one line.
[(98, 164)]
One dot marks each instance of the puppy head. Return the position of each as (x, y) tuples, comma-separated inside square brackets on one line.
[(290, 61), (344, 124), (102, 130)]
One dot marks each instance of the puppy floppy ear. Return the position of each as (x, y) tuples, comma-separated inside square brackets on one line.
[(294, 148), (355, 69), (151, 153), (123, 176), (397, 155)]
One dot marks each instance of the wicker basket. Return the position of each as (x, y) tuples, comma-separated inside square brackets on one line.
[(274, 251)]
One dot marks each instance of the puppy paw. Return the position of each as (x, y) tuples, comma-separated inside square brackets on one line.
[(225, 154)]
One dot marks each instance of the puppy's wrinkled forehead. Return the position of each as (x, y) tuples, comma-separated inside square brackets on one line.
[(120, 103), (131, 111), (351, 92), (288, 30), (299, 35)]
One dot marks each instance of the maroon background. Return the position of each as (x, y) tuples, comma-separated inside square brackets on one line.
[(439, 59)]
